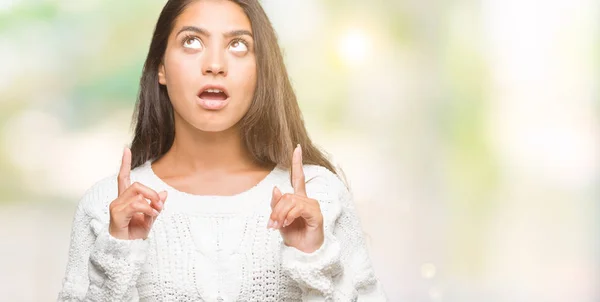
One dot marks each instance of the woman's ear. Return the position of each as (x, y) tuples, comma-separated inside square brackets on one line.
[(161, 74)]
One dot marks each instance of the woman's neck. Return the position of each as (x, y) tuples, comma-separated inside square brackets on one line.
[(194, 151)]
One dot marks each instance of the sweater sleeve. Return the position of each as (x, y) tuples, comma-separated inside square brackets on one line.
[(100, 267), (340, 270)]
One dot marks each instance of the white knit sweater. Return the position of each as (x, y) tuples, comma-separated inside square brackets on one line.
[(218, 248)]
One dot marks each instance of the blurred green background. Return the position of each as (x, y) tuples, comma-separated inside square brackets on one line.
[(468, 130)]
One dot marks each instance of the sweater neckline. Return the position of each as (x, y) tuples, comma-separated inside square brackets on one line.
[(214, 203)]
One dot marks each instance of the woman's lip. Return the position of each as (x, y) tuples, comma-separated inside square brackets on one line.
[(212, 104), (213, 86)]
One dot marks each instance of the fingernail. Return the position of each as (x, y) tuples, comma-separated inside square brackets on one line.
[(155, 212), (160, 204), (275, 224), (270, 225), (285, 223)]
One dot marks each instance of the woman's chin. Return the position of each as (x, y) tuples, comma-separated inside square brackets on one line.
[(210, 121), (212, 126)]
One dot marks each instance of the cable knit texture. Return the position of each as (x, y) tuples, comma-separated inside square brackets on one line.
[(217, 248)]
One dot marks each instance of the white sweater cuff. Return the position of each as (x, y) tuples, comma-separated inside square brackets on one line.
[(313, 271), (132, 250), (116, 263)]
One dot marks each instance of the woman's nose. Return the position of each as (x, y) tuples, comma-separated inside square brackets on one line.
[(215, 63)]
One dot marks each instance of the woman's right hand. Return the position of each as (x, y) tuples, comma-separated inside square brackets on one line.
[(131, 216)]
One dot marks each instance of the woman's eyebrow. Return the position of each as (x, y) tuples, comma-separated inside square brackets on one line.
[(200, 31), (239, 32), (204, 32)]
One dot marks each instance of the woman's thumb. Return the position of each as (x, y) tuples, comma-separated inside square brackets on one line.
[(163, 196)]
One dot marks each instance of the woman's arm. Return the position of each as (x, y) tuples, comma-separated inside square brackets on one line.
[(100, 267), (340, 270)]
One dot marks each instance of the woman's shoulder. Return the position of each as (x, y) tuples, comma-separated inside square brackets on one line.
[(98, 194), (321, 173), (320, 181), (101, 193)]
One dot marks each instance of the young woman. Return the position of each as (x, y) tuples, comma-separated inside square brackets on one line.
[(222, 197)]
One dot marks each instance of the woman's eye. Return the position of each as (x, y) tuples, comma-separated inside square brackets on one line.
[(238, 46), (193, 43)]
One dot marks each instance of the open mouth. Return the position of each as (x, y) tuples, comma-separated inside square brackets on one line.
[(213, 94), (213, 97)]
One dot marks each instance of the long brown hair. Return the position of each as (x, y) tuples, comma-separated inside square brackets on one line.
[(273, 124)]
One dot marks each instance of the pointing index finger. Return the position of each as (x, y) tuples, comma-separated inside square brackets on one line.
[(123, 179), (298, 172)]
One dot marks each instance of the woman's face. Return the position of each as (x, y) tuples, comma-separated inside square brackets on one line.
[(209, 67)]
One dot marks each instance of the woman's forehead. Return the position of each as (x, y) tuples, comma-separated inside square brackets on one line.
[(215, 16)]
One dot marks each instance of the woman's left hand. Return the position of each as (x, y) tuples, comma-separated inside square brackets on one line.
[(298, 217)]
